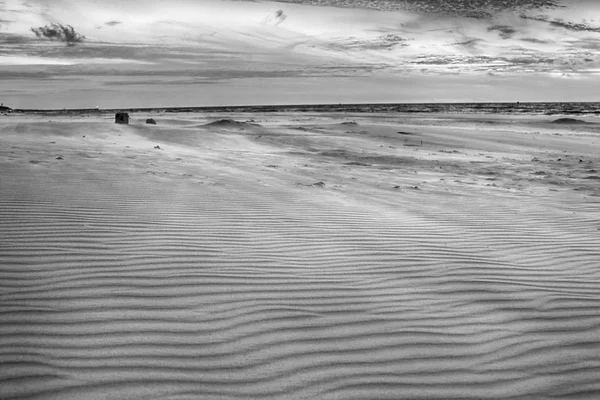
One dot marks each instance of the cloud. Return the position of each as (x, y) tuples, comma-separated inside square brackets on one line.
[(470, 42), (59, 32), (534, 40), (505, 31), (194, 43), (481, 9), (560, 23), (13, 39)]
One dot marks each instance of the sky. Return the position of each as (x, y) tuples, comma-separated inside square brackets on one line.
[(139, 53)]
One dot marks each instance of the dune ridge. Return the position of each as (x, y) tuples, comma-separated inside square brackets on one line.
[(216, 277)]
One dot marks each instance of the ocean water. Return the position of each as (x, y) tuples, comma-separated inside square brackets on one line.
[(568, 108)]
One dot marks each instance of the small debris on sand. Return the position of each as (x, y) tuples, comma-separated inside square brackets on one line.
[(151, 121), (349, 123), (59, 158), (157, 147), (316, 184), (405, 133)]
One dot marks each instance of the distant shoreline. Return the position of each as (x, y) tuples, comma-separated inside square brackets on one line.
[(544, 108)]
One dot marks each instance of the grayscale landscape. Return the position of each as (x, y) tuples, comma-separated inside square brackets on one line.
[(301, 200)]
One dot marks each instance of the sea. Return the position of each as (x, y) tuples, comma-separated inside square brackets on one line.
[(534, 108)]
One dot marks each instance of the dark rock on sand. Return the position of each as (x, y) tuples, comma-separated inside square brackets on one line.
[(122, 118), (151, 121)]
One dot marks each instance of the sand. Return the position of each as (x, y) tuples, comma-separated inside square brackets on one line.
[(288, 255)]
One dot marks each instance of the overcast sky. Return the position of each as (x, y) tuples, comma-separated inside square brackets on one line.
[(139, 53)]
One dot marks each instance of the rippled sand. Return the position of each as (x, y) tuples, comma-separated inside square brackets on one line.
[(299, 256)]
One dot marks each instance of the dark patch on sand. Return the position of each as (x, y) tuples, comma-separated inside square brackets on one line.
[(230, 122), (358, 164), (568, 121), (366, 159)]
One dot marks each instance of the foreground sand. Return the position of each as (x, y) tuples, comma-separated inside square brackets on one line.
[(299, 257)]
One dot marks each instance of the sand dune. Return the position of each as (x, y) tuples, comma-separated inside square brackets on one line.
[(461, 261)]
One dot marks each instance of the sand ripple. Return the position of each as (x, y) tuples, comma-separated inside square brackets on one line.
[(129, 290)]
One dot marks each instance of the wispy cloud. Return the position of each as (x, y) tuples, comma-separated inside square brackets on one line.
[(112, 23)]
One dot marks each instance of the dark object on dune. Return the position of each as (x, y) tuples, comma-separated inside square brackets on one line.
[(349, 123), (157, 147), (405, 133), (225, 122), (151, 121), (568, 121), (122, 118), (231, 122), (4, 109)]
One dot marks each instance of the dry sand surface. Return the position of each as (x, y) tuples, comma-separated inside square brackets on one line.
[(299, 256)]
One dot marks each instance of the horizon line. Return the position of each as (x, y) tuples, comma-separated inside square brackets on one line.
[(282, 106)]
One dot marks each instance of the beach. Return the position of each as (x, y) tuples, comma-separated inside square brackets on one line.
[(288, 255)]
